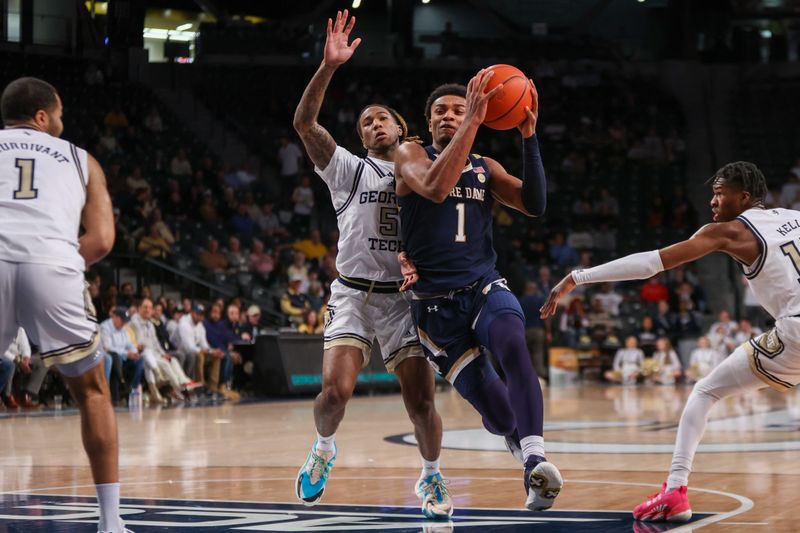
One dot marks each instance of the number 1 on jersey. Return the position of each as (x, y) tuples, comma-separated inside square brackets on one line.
[(790, 250), (462, 213), (26, 190)]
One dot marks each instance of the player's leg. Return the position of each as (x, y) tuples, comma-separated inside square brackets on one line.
[(500, 326), (59, 321), (348, 344), (732, 376)]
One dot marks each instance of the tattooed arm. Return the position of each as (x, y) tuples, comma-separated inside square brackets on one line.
[(318, 142)]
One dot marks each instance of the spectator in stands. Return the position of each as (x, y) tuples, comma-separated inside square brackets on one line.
[(18, 350), (574, 322), (233, 323), (159, 321), (663, 320), (561, 253), (535, 328), (127, 364), (628, 363), (253, 325), (654, 146), (238, 260), (312, 247), (702, 360), (582, 206), (156, 358), (601, 323), (686, 323), (316, 291), (545, 281), (745, 332), (666, 365), (609, 299), (154, 245), (580, 239), (261, 262), (180, 165), (654, 291), (116, 119), (303, 200), (194, 350), (222, 338), (290, 160), (212, 259), (107, 143), (605, 241), (647, 336), (126, 295), (728, 325), (152, 121), (172, 327), (299, 269), (294, 303), (268, 222), (136, 181), (789, 190), (93, 75), (242, 224), (311, 324), (606, 205)]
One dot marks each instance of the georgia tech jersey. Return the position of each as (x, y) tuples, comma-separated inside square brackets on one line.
[(775, 275), (42, 193), (363, 195)]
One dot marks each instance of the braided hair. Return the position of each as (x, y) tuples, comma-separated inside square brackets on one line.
[(742, 175), (404, 137)]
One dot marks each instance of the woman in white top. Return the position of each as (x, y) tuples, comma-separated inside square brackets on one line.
[(667, 366), (628, 363), (702, 361)]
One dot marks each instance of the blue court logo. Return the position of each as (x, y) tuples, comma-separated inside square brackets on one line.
[(76, 514)]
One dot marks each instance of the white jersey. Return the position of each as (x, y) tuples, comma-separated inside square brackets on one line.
[(363, 195), (775, 275), (42, 193)]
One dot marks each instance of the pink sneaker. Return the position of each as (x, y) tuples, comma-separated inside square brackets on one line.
[(665, 506)]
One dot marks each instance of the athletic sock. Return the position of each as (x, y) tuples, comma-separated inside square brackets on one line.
[(108, 501), (325, 444), (429, 467), (532, 445)]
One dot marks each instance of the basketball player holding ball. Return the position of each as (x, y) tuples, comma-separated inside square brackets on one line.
[(461, 305)]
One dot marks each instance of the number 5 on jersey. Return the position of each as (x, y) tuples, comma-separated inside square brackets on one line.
[(25, 190)]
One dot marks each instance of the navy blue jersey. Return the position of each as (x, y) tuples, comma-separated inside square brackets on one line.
[(451, 243)]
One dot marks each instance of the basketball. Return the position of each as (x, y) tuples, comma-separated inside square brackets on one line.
[(506, 109)]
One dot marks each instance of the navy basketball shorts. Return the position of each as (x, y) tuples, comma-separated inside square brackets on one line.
[(453, 327)]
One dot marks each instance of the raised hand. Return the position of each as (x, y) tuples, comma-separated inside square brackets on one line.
[(563, 288), (337, 51), (528, 126), (477, 97)]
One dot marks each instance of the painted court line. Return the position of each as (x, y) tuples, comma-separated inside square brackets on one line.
[(745, 504)]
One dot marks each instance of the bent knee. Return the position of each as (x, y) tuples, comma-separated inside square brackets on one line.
[(336, 394)]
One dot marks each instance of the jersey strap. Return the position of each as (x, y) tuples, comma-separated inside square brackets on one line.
[(762, 243)]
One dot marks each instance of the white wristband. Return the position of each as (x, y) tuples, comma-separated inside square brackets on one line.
[(635, 266)]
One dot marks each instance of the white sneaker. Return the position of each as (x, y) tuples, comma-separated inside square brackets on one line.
[(436, 502)]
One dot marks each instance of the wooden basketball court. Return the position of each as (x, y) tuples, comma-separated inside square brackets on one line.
[(231, 467)]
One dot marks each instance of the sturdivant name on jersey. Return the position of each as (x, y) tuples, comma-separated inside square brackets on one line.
[(788, 227), (34, 147), (471, 193)]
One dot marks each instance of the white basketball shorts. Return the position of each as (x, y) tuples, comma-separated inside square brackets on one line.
[(52, 304), (355, 317), (774, 356)]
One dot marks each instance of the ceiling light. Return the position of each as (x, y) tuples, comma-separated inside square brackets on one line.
[(356, 4)]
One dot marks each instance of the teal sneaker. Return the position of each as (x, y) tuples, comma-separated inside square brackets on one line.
[(436, 502), (313, 476)]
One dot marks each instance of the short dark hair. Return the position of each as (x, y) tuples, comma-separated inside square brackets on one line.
[(742, 175), (447, 89), (392, 111), (23, 97)]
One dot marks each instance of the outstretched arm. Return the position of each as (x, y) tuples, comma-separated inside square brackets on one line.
[(710, 238), (318, 142), (435, 179)]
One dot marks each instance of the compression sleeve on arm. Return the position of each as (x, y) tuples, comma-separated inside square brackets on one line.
[(635, 266), (534, 185)]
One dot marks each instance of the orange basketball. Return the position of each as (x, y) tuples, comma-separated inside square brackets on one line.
[(506, 109)]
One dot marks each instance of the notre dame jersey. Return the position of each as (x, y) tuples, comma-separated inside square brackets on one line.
[(363, 195), (451, 243), (42, 193), (775, 275)]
